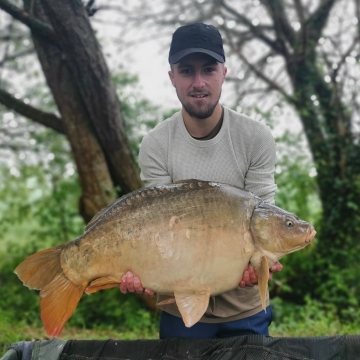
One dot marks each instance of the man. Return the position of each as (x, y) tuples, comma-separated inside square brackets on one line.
[(207, 141)]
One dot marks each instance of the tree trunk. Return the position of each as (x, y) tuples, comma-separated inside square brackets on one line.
[(80, 82), (95, 180), (82, 54)]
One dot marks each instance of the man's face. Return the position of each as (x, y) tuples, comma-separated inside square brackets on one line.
[(198, 79)]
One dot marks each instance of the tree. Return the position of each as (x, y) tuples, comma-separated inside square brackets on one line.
[(90, 111), (305, 53)]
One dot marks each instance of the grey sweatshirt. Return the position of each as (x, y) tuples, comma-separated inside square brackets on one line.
[(241, 154)]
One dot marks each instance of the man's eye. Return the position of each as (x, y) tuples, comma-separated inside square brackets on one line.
[(209, 69), (185, 71)]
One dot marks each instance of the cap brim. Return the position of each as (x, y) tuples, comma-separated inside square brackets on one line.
[(175, 58)]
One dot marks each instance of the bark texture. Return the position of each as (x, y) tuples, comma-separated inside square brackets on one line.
[(95, 180), (82, 55)]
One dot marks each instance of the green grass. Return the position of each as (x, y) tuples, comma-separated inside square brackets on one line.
[(11, 333), (311, 327)]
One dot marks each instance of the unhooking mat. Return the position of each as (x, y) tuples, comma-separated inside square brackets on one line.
[(249, 347)]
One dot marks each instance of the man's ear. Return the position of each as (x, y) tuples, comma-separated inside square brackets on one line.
[(171, 76), (224, 73)]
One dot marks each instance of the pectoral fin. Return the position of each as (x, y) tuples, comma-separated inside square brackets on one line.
[(262, 271), (106, 282), (167, 302), (192, 306)]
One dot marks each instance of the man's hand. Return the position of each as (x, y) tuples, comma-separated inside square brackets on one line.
[(249, 276), (132, 283)]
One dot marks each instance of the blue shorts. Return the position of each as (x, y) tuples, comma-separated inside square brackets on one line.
[(173, 327)]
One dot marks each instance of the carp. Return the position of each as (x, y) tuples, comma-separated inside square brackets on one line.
[(189, 240)]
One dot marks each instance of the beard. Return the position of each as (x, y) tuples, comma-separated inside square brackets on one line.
[(200, 112)]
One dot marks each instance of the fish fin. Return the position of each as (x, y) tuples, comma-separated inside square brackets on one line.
[(106, 282), (58, 301), (167, 301), (262, 271), (96, 217), (192, 306), (58, 296), (186, 181), (39, 269)]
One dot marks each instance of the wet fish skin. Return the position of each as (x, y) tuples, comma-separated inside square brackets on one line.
[(191, 239)]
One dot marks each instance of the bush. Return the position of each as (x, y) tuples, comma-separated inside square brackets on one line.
[(311, 319)]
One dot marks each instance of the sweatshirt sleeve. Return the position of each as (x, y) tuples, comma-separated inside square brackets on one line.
[(260, 176), (153, 162)]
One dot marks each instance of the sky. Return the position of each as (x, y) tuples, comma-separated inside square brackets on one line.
[(146, 58)]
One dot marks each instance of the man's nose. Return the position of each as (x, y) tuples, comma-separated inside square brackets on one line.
[(198, 80)]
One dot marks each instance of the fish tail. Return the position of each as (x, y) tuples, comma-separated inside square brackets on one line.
[(58, 295)]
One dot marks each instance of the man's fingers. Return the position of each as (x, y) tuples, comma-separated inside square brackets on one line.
[(149, 292), (246, 279), (123, 287), (252, 275), (124, 282), (250, 278), (130, 281), (276, 267), (137, 285)]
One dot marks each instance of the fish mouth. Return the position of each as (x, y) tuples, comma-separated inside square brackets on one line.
[(311, 235)]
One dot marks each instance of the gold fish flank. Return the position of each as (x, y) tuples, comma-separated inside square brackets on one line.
[(191, 239)]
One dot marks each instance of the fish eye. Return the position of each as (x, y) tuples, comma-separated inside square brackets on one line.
[(289, 223)]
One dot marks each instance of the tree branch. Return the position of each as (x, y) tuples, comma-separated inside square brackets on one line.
[(37, 27), (272, 84), (254, 29), (13, 147), (317, 21), (281, 25), (342, 60), (357, 12), (44, 118), (11, 37), (300, 11), (17, 55)]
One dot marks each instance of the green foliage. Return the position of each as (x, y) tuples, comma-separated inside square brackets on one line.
[(313, 318), (8, 332), (43, 199), (51, 219), (140, 115), (110, 309), (20, 304), (39, 194), (298, 193), (295, 177)]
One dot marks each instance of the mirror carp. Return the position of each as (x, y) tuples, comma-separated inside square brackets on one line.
[(190, 240)]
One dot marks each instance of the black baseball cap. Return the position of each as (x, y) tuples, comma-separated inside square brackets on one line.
[(196, 38)]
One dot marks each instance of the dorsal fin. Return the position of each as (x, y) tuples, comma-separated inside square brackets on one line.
[(186, 181), (96, 217)]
